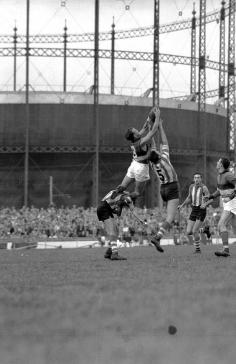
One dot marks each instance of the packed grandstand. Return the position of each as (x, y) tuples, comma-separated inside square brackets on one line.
[(77, 222)]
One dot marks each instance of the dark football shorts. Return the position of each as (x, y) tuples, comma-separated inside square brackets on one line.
[(197, 214), (104, 211), (169, 191)]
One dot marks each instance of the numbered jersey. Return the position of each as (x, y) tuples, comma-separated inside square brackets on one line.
[(140, 153), (164, 169)]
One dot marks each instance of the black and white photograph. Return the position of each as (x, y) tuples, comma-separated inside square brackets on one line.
[(117, 181)]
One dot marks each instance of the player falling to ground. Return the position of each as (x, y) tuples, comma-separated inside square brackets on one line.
[(161, 165), (109, 207), (140, 144), (226, 182), (198, 194)]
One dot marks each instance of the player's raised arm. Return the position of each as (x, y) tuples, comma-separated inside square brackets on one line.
[(145, 128), (148, 122), (154, 129), (163, 137)]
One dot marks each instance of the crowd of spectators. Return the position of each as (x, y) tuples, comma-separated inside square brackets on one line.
[(61, 223)]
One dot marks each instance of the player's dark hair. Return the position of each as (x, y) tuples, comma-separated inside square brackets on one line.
[(154, 157), (225, 162), (197, 174), (129, 135)]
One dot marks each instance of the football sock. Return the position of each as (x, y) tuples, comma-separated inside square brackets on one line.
[(225, 240), (114, 248), (163, 229), (197, 244), (190, 239)]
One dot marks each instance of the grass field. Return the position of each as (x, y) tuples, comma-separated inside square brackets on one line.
[(72, 306)]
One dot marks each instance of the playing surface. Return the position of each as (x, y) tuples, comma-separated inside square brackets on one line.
[(72, 306)]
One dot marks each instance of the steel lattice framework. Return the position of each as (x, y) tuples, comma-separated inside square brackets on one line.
[(209, 94), (193, 55), (202, 63), (156, 56), (231, 78), (154, 184), (71, 149), (122, 34), (202, 80), (95, 110), (202, 58), (222, 53), (106, 53)]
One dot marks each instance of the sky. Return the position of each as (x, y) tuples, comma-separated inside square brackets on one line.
[(131, 77)]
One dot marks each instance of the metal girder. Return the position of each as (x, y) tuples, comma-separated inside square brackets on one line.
[(155, 185), (202, 83), (222, 52), (113, 58), (209, 94), (106, 53), (71, 149), (231, 78), (155, 94), (96, 122), (193, 70), (202, 58), (122, 34)]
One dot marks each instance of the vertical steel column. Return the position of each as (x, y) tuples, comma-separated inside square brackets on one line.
[(154, 190), (113, 58), (65, 57), (96, 107), (202, 82), (14, 62), (193, 70), (222, 54), (26, 160), (155, 99), (231, 79)]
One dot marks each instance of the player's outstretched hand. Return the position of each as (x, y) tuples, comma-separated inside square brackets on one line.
[(156, 111)]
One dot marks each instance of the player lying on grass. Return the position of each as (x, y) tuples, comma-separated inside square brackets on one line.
[(226, 182), (113, 204)]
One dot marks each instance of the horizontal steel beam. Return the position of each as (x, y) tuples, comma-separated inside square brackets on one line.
[(120, 34), (103, 150), (106, 53)]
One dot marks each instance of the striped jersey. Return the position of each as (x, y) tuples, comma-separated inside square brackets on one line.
[(164, 169), (197, 194)]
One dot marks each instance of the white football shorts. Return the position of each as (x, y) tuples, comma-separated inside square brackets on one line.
[(138, 171), (230, 206)]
